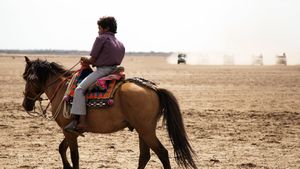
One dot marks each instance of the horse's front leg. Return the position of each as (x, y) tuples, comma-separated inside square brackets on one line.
[(73, 145), (62, 151)]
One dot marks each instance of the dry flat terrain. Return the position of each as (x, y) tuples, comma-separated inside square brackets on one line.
[(235, 116)]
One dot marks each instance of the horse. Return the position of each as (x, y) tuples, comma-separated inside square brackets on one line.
[(135, 106)]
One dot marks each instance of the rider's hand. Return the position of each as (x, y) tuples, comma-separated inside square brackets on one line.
[(84, 60)]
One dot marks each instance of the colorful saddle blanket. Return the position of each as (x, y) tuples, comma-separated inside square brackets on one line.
[(101, 93)]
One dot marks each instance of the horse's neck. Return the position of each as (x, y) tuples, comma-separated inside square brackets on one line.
[(55, 90)]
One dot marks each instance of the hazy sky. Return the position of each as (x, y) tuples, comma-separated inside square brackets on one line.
[(235, 27)]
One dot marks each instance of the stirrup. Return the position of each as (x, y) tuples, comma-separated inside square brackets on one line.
[(74, 131), (71, 128)]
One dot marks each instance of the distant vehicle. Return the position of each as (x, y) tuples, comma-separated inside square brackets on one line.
[(258, 60), (281, 59), (181, 58)]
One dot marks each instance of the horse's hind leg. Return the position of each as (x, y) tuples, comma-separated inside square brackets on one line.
[(62, 151), (144, 154), (152, 141)]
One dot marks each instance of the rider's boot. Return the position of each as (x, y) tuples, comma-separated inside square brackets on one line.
[(82, 125), (72, 126)]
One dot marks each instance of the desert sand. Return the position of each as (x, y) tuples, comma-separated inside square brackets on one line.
[(236, 117)]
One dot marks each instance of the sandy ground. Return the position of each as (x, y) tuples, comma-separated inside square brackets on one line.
[(235, 117)]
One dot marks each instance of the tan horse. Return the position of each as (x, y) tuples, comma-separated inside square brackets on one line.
[(136, 106)]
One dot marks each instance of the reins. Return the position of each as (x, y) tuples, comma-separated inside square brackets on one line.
[(40, 99)]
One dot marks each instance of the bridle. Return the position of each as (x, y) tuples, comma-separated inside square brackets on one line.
[(43, 112)]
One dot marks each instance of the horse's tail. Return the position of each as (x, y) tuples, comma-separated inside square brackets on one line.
[(169, 107)]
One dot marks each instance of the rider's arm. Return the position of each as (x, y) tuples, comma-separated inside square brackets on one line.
[(97, 47)]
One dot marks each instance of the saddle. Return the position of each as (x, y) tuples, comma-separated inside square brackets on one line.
[(99, 94)]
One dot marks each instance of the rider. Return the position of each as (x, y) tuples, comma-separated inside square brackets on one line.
[(107, 53)]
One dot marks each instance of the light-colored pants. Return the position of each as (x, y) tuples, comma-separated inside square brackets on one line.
[(79, 102)]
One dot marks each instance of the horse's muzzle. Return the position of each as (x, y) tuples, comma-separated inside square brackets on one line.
[(28, 104)]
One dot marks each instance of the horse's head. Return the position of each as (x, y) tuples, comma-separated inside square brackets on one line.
[(36, 75), (34, 83)]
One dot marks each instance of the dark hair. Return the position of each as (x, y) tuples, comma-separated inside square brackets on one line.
[(40, 70), (108, 22)]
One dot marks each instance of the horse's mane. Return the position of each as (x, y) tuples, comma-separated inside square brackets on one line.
[(40, 70)]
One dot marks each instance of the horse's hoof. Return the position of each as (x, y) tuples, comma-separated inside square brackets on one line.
[(69, 167)]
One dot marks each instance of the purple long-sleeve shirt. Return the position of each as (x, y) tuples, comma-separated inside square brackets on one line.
[(107, 50)]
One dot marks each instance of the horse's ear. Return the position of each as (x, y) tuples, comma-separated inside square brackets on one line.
[(27, 59)]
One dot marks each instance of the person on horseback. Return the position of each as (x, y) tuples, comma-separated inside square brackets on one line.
[(107, 53)]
